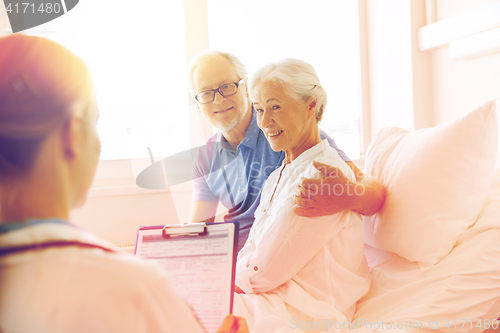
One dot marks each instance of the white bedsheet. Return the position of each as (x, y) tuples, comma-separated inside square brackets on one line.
[(450, 297)]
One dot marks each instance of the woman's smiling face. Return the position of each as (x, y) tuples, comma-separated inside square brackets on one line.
[(286, 122)]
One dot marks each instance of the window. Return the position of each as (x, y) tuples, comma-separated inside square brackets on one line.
[(137, 59), (324, 33)]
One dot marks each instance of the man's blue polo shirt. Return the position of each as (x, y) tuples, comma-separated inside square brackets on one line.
[(236, 178)]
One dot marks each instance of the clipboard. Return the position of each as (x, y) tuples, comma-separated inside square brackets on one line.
[(200, 259)]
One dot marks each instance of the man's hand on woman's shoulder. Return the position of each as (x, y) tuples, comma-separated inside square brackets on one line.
[(335, 193)]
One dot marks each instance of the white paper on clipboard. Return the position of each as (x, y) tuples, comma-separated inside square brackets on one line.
[(201, 266)]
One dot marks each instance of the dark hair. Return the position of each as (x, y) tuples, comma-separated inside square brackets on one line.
[(39, 82)]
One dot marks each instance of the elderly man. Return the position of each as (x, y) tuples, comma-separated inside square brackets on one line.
[(237, 160)]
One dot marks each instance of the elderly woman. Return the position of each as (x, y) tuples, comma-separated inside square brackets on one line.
[(296, 272), (56, 277)]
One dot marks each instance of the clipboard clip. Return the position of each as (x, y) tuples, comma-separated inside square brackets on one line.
[(188, 230)]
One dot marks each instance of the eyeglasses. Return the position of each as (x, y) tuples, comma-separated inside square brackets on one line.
[(225, 90)]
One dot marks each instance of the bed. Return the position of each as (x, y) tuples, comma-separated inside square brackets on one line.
[(434, 248)]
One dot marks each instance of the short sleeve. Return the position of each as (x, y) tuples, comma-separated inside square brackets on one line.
[(331, 142), (201, 169)]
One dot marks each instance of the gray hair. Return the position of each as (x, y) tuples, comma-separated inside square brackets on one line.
[(209, 55), (297, 77)]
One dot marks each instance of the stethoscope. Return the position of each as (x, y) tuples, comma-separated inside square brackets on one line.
[(8, 227)]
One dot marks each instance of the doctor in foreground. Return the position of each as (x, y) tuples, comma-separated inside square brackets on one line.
[(294, 271), (56, 277)]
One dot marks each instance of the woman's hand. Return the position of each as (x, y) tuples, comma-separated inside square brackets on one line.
[(233, 324)]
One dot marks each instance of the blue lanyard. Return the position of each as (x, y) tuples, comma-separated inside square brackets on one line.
[(6, 227)]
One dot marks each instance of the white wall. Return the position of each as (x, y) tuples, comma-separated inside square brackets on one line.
[(116, 207), (462, 85), (4, 19), (449, 8), (400, 85), (414, 89)]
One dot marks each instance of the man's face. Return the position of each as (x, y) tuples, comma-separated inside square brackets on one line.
[(225, 113)]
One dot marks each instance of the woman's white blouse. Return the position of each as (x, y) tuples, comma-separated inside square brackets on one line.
[(316, 265), (75, 289)]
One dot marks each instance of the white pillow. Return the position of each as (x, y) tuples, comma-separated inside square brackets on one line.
[(437, 180), (463, 285)]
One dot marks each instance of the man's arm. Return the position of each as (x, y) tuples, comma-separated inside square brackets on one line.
[(203, 211), (335, 193)]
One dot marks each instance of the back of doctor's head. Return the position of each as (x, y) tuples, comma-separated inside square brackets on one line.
[(39, 82)]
